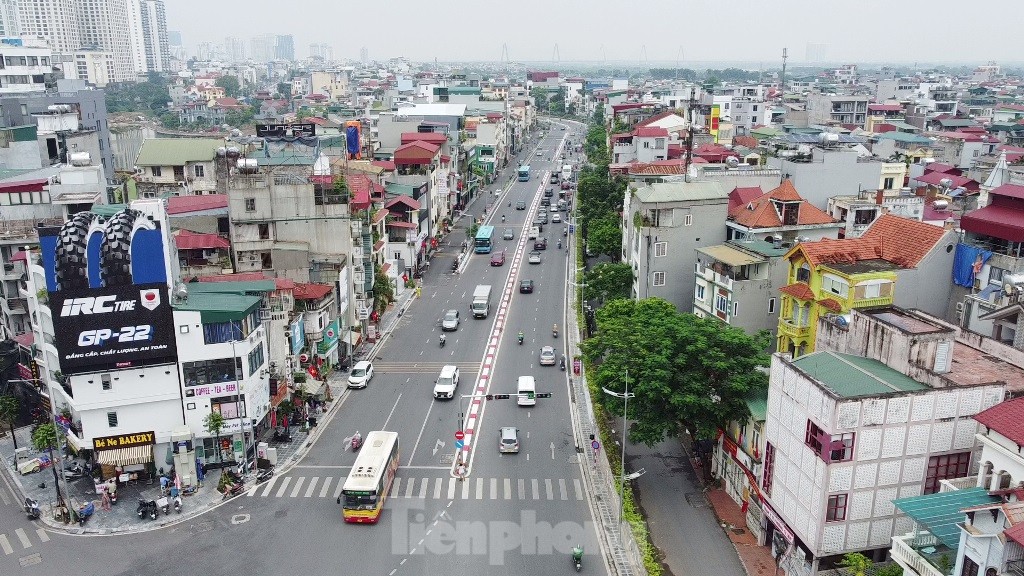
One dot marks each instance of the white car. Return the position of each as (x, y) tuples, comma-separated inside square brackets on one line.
[(447, 382), (547, 356), (556, 218), (360, 375), (534, 257), (450, 321)]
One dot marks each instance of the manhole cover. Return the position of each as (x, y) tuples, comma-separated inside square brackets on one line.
[(30, 560), (738, 531)]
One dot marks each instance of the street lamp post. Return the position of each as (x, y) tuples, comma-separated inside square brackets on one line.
[(622, 449)]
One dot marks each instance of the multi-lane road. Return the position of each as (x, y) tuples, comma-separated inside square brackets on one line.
[(514, 513)]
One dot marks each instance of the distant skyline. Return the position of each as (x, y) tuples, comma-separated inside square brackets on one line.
[(662, 31)]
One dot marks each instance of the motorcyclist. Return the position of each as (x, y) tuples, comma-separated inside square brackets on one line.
[(577, 553), (521, 336), (559, 244), (554, 330), (502, 218), (443, 339)]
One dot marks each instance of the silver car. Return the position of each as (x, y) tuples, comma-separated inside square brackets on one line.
[(534, 257), (450, 321), (547, 356), (508, 440)]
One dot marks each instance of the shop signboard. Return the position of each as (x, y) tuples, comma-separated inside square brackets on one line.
[(298, 336), (330, 340), (107, 286), (211, 389), (343, 289), (124, 441)]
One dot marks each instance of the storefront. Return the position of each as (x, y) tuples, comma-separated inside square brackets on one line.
[(737, 470), (129, 456)]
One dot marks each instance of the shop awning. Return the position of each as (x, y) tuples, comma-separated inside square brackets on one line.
[(74, 441), (311, 387), (126, 456), (353, 337)]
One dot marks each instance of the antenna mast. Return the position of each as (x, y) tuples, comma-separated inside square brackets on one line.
[(689, 133), (782, 79)]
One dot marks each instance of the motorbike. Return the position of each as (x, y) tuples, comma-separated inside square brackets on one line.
[(85, 511), (74, 472), (442, 340), (455, 266), (577, 558), (559, 244), (554, 331), (520, 338), (281, 435), (165, 505), (357, 441), (177, 504), (502, 218), (561, 363), (565, 232), (234, 490), (32, 509), (147, 508), (264, 475), (234, 476)]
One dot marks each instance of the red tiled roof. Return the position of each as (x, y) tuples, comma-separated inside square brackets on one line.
[(360, 186), (409, 201), (385, 164), (657, 168), (34, 185), (935, 178), (1015, 532), (831, 304), (417, 152), (311, 291), (798, 290), (186, 204), (901, 241), (400, 224), (743, 195), (432, 137), (279, 283), (1006, 418), (763, 213), (745, 141), (1002, 222), (1011, 190), (939, 167), (188, 240)]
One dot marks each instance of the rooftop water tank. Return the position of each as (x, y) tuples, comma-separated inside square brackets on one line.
[(80, 159), (247, 165)]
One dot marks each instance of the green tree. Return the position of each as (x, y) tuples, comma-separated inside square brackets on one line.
[(472, 229), (597, 119), (383, 291), (856, 562), (232, 87), (605, 237), (302, 114), (608, 281), (214, 423), (284, 90), (169, 120), (137, 97), (682, 369), (540, 99), (9, 414), (240, 117)]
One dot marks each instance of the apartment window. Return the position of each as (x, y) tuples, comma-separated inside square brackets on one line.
[(945, 467), (112, 419), (700, 292), (206, 372), (199, 170), (250, 204), (841, 448), (769, 468), (155, 170), (721, 303), (971, 568), (836, 510), (812, 437), (834, 285), (660, 249), (256, 359), (264, 231), (735, 308), (771, 305), (803, 273), (688, 220), (230, 407), (872, 290), (887, 183), (658, 278), (755, 108), (753, 119), (105, 381)]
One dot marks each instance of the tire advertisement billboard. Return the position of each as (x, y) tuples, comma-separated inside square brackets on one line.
[(106, 281)]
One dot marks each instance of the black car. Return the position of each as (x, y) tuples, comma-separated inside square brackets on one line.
[(540, 244), (526, 286), (545, 201), (548, 193), (554, 178), (521, 205)]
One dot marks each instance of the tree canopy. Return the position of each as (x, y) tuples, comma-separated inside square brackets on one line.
[(232, 87), (138, 96), (608, 281), (604, 236), (682, 369)]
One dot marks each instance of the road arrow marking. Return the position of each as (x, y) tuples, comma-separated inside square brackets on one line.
[(438, 446)]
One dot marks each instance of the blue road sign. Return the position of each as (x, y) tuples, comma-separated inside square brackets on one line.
[(460, 443), (595, 445)]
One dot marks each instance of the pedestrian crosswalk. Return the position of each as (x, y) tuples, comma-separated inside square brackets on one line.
[(528, 489), (422, 367), (8, 543)]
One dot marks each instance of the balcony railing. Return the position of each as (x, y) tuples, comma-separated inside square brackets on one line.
[(904, 554), (953, 484), (870, 302), (793, 329)]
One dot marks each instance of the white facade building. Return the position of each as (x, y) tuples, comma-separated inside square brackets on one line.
[(94, 66), (110, 25), (10, 22), (26, 63), (53, 20), (154, 35)]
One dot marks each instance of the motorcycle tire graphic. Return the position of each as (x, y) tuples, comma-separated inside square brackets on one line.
[(115, 251), (72, 267)]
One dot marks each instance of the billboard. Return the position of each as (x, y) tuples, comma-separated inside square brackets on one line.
[(303, 129), (353, 138), (716, 112), (106, 281)]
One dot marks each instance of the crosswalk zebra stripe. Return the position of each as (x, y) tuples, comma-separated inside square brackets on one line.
[(439, 482), (395, 488), (5, 545), (43, 536), (268, 487), (451, 488), (508, 489), (561, 489), (522, 489), (312, 486), (579, 488), (25, 542), (284, 486), (298, 486), (536, 488), (423, 488), (494, 488), (409, 488), (479, 488), (547, 489), (326, 488), (465, 490)]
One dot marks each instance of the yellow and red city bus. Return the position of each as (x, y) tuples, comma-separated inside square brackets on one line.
[(369, 481)]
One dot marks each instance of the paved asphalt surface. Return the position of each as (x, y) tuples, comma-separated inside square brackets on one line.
[(515, 514)]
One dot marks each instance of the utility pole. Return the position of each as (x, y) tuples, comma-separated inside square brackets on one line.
[(782, 79), (689, 133)]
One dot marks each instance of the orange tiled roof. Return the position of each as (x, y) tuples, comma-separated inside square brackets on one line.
[(798, 290), (831, 303), (902, 241), (762, 213)]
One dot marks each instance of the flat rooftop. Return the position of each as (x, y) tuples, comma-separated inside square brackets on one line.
[(906, 322), (864, 266), (849, 376)]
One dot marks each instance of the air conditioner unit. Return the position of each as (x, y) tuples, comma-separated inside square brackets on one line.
[(147, 178)]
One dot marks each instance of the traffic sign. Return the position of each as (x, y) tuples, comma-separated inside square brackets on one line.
[(459, 434), (595, 445), (459, 444)]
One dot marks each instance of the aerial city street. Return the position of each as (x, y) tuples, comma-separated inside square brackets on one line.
[(399, 294)]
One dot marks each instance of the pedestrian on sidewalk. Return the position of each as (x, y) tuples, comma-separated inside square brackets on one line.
[(460, 471), (105, 502)]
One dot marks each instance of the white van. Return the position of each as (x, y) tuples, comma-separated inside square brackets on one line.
[(534, 232), (527, 386), (447, 382)]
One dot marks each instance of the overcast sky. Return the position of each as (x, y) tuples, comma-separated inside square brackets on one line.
[(630, 32)]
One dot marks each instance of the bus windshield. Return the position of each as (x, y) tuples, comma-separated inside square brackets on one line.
[(524, 173), (482, 243)]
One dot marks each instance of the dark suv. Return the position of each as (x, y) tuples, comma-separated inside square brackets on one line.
[(540, 244), (521, 205)]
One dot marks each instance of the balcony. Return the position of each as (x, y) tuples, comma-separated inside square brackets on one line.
[(16, 306), (794, 330), (869, 302), (920, 562)]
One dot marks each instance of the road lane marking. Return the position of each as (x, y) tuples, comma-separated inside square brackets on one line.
[(465, 490), (536, 488), (337, 491), (25, 542), (409, 486), (395, 488), (326, 488), (494, 488), (451, 488), (284, 486), (5, 545), (43, 536), (437, 488), (561, 489), (312, 486), (423, 488), (508, 489), (479, 488), (579, 488), (268, 487), (522, 489), (298, 486), (547, 489)]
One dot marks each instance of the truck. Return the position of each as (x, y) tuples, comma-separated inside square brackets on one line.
[(481, 305), (566, 172)]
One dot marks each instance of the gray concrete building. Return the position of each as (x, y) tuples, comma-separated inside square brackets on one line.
[(829, 172), (837, 109), (663, 225), (738, 282)]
